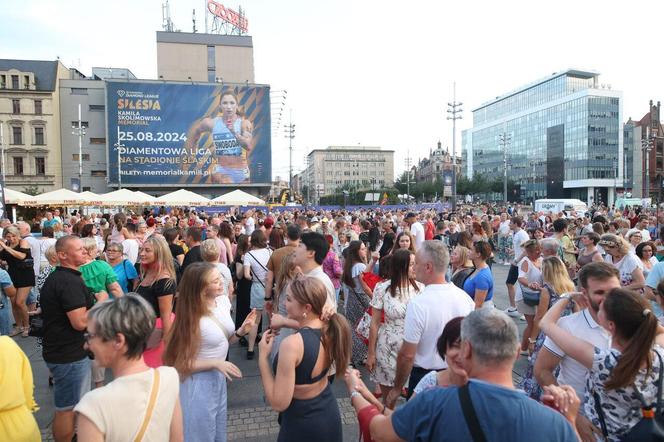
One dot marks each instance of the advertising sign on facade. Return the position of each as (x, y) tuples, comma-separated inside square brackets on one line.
[(198, 134)]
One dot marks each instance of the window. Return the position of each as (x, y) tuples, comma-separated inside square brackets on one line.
[(16, 106), (83, 123), (14, 81), (3, 81), (26, 82), (97, 107), (17, 134), (98, 173), (86, 157), (38, 107), (97, 140), (39, 136), (79, 91), (18, 165), (40, 166)]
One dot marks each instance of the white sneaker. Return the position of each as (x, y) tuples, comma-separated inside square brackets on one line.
[(512, 311)]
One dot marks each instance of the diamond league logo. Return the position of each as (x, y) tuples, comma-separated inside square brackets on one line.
[(121, 93)]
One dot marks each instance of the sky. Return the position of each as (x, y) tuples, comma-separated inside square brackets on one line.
[(366, 72)]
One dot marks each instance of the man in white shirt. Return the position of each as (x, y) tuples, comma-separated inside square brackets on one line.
[(519, 236), (597, 279), (416, 229), (130, 244), (641, 226), (250, 224), (426, 317)]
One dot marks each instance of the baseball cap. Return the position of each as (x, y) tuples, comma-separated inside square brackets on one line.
[(314, 219), (411, 215), (324, 220), (269, 222)]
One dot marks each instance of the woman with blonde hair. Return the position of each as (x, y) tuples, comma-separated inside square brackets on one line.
[(556, 281), (197, 345), (628, 265), (16, 253), (157, 287), (297, 385), (462, 266)]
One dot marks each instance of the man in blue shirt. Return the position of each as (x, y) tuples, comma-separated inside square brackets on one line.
[(489, 347)]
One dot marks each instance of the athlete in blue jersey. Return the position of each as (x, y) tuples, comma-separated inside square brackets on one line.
[(233, 141)]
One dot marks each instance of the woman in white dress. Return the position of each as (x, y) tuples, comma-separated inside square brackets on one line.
[(391, 298)]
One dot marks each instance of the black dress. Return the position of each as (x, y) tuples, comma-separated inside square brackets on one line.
[(21, 271), (243, 297)]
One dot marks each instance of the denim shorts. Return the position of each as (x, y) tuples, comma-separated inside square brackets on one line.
[(257, 299), (32, 296), (70, 382)]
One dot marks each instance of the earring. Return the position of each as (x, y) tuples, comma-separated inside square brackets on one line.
[(304, 315)]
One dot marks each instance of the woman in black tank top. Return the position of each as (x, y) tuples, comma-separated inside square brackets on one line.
[(298, 387)]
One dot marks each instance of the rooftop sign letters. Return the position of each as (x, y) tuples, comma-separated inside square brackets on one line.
[(228, 15)]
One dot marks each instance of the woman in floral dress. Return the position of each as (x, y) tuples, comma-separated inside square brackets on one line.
[(556, 282), (391, 298)]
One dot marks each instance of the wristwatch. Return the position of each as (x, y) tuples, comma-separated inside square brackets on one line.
[(238, 336), (354, 393)]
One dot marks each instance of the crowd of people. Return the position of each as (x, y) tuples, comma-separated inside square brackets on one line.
[(135, 314)]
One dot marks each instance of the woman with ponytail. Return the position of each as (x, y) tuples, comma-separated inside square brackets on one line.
[(297, 384), (622, 373)]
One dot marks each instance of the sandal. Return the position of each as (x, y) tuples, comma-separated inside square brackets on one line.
[(26, 332), (15, 332)]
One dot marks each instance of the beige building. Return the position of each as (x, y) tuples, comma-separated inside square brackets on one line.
[(362, 167), (30, 120), (182, 56)]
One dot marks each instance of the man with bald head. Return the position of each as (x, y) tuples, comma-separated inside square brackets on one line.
[(65, 301)]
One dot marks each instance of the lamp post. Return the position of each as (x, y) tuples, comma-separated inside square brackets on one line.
[(454, 113), (504, 139), (646, 147), (80, 132)]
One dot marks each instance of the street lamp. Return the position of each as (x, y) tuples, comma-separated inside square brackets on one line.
[(80, 132), (454, 110), (646, 147), (504, 139)]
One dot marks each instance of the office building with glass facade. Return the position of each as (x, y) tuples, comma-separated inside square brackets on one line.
[(563, 138)]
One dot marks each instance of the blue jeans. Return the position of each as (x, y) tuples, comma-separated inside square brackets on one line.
[(204, 408), (5, 314), (70, 382)]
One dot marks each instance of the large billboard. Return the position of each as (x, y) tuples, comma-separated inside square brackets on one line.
[(168, 134)]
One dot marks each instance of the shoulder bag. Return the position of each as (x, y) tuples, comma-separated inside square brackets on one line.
[(151, 403), (255, 278), (469, 414)]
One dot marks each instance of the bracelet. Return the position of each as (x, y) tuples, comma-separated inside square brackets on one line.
[(238, 336), (353, 394)]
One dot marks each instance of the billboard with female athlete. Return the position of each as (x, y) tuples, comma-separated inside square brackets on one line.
[(188, 134)]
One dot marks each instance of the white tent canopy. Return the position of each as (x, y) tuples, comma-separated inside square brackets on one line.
[(125, 197), (60, 197), (237, 198), (181, 197), (16, 197)]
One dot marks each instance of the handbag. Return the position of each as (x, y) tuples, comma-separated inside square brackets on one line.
[(36, 325), (651, 425), (530, 297), (25, 264), (364, 325)]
